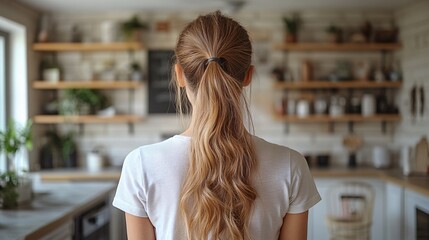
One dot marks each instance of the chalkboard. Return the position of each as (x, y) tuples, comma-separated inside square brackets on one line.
[(161, 99)]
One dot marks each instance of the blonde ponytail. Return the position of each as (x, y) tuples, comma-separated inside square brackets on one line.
[(217, 195)]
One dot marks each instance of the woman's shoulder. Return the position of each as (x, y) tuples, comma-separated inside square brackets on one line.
[(274, 148), (161, 152), (170, 144)]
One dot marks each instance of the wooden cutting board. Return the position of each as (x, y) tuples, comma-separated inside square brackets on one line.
[(422, 156)]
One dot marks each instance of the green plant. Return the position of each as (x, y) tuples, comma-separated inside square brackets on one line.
[(67, 146), (333, 29), (63, 147), (8, 195), (13, 139), (292, 24), (133, 24), (75, 99), (135, 66)]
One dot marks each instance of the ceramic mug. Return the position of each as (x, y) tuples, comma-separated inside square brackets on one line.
[(303, 108), (380, 157)]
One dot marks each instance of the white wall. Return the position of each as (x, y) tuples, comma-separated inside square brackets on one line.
[(266, 29), (414, 24), (20, 22)]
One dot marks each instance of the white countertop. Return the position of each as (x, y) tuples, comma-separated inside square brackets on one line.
[(53, 205), (419, 184)]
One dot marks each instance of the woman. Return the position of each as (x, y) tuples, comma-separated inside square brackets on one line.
[(215, 180)]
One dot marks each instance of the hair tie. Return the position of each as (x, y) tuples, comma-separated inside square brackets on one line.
[(221, 61)]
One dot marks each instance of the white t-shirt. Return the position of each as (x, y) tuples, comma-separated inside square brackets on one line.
[(152, 178)]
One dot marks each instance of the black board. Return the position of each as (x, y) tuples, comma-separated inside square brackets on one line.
[(161, 97)]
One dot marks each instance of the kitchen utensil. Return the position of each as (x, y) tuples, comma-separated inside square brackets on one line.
[(337, 106), (422, 101), (406, 163), (108, 31), (320, 105), (306, 71), (291, 106), (352, 144), (368, 105), (413, 108), (323, 160), (422, 156), (380, 157)]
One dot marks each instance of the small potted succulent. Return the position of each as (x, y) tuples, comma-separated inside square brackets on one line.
[(291, 25), (133, 28), (136, 72), (334, 34), (15, 186)]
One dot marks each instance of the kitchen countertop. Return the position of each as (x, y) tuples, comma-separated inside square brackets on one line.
[(419, 184), (53, 204)]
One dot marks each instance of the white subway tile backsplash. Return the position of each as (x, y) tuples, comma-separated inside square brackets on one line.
[(306, 138)]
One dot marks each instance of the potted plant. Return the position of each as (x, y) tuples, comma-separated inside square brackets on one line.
[(334, 34), (133, 28), (82, 101), (291, 25), (60, 150), (15, 187), (68, 150), (136, 72), (51, 69)]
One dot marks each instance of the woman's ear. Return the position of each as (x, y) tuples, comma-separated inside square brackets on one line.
[(180, 78), (248, 78)]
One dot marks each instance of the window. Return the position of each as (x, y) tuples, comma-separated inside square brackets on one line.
[(3, 96), (13, 80)]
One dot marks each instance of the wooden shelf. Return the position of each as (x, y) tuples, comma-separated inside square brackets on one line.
[(343, 118), (59, 47), (86, 84), (56, 119), (326, 84), (338, 47)]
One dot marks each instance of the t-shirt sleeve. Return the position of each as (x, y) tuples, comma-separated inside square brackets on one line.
[(304, 194), (130, 194)]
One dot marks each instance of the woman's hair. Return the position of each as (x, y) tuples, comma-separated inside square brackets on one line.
[(217, 197)]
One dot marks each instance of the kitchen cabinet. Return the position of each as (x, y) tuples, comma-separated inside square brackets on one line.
[(317, 228), (308, 86), (416, 215), (94, 84), (63, 232), (394, 211)]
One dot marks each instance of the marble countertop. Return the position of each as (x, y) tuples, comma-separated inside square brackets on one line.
[(53, 205), (419, 184)]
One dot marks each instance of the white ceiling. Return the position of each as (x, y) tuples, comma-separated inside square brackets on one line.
[(75, 6)]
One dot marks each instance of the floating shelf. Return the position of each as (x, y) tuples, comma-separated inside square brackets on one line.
[(59, 47), (343, 118), (338, 47), (56, 119), (326, 84), (86, 84)]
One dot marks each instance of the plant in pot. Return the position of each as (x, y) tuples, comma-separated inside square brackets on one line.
[(136, 72), (68, 149), (59, 150), (334, 34), (133, 29), (50, 69), (291, 25), (82, 101), (15, 186)]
